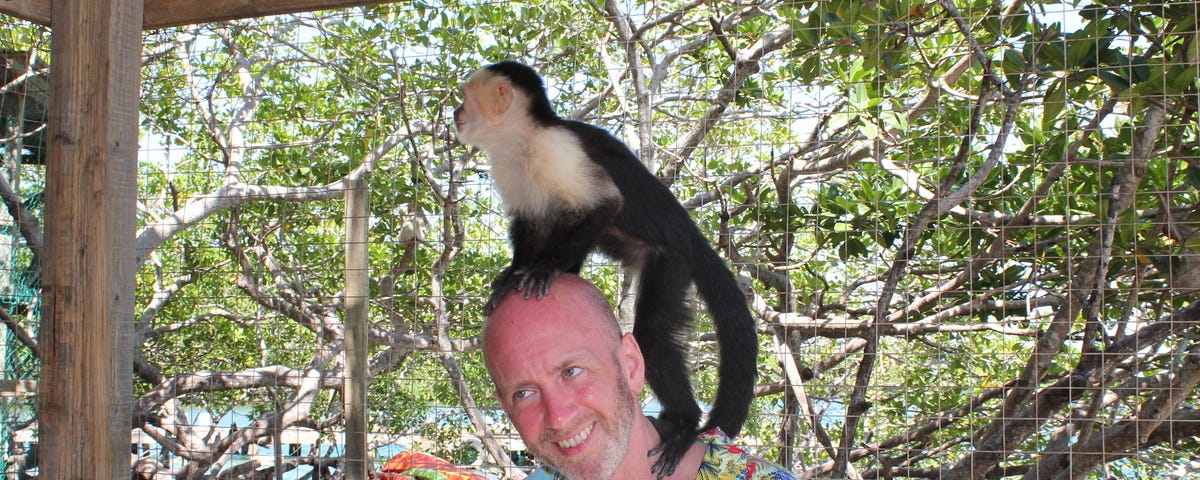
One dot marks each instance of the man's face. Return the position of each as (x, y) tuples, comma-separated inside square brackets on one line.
[(568, 394)]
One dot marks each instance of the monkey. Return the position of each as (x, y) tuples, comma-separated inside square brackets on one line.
[(570, 188)]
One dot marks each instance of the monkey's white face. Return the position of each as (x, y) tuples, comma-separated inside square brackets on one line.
[(485, 99), (466, 116)]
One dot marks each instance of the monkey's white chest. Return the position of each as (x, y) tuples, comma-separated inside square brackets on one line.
[(551, 173)]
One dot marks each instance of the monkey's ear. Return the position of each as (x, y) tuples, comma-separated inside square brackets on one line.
[(502, 97)]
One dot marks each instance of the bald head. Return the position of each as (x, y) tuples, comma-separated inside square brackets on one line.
[(569, 380), (573, 306)]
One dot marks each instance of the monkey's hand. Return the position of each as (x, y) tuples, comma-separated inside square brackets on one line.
[(676, 441), (505, 282)]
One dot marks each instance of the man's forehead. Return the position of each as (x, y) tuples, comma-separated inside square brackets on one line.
[(517, 332), (535, 363)]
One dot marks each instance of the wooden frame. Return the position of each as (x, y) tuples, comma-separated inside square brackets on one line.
[(85, 392), (173, 13)]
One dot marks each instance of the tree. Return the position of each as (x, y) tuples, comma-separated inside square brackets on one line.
[(969, 228)]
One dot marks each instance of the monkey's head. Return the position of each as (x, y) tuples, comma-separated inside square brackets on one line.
[(499, 101)]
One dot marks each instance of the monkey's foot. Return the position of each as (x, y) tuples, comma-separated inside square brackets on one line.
[(535, 280), (505, 282), (676, 441), (493, 301)]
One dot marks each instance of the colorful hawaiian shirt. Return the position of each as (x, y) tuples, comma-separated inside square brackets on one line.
[(725, 461)]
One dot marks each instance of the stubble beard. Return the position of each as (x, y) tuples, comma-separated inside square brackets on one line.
[(617, 430)]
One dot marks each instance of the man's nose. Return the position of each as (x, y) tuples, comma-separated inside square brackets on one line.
[(560, 408)]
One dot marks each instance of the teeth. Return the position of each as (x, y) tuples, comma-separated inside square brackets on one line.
[(578, 439)]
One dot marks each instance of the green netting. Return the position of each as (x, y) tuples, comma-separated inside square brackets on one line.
[(20, 300)]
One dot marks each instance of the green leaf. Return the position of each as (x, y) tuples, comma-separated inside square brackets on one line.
[(1182, 78), (1113, 80), (1014, 61), (895, 120), (867, 128), (1193, 175), (1053, 104), (1093, 12), (859, 99), (1081, 51)]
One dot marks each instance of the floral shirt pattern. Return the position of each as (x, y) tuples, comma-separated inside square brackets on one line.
[(725, 461)]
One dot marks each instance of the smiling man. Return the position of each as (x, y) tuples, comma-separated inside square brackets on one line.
[(569, 380)]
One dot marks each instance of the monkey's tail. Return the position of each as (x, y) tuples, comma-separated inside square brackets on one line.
[(737, 339)]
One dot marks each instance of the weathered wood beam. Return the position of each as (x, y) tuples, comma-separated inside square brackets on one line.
[(358, 293), (86, 386), (37, 11), (172, 13)]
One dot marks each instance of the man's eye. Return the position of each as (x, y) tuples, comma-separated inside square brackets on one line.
[(522, 394), (572, 372)]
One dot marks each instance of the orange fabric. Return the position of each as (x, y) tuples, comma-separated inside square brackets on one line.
[(409, 465)]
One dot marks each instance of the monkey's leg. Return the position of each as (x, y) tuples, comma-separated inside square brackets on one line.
[(660, 327)]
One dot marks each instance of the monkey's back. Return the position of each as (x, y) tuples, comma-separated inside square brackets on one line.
[(649, 213)]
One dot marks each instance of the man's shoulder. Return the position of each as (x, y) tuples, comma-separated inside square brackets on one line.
[(724, 460)]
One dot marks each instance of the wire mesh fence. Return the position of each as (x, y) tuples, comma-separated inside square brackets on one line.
[(968, 230)]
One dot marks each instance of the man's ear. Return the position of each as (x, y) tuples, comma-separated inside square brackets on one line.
[(633, 365)]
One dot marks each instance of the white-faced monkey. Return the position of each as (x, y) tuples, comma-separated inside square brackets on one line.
[(570, 188)]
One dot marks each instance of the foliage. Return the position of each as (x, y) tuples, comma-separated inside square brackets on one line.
[(970, 230)]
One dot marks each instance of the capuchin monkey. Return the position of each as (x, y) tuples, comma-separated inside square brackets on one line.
[(571, 188)]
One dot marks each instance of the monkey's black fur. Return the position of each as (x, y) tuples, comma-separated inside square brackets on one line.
[(646, 228)]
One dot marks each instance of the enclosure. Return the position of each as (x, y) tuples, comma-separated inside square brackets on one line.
[(969, 230)]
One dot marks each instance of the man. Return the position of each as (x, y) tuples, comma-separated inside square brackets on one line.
[(569, 380)]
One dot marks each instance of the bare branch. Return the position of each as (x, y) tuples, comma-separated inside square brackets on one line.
[(1012, 428), (18, 331), (30, 227), (1133, 431)]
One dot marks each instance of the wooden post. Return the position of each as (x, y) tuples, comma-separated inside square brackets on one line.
[(358, 291), (87, 267)]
